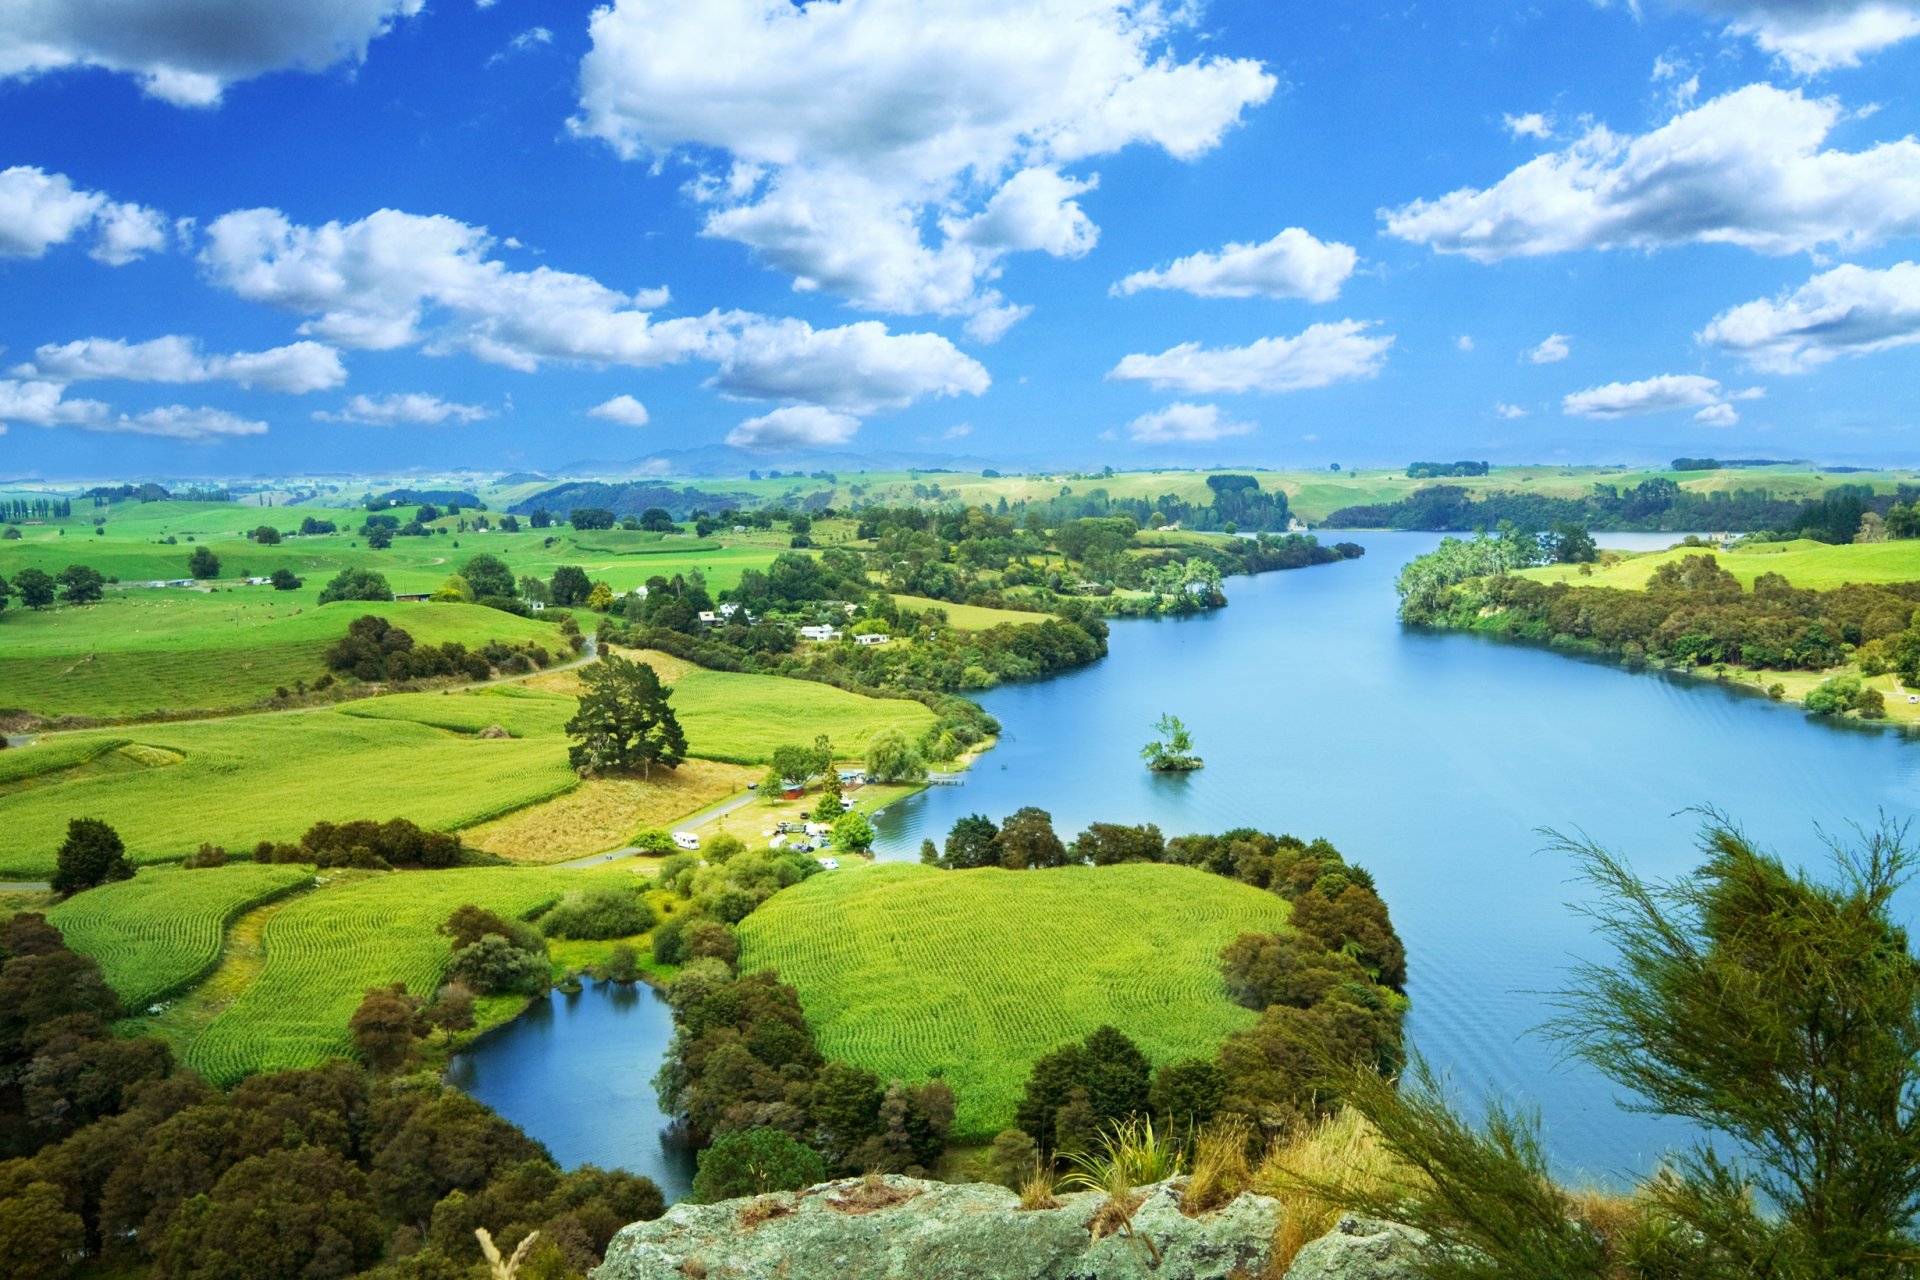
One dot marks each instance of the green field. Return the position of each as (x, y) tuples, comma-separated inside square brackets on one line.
[(1804, 563), (906, 970), (162, 931), (971, 617), (325, 948), (238, 781), (142, 652)]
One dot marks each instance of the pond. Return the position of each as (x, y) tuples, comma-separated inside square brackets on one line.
[(1433, 760)]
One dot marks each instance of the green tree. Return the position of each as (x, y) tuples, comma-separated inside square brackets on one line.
[(624, 721), (284, 580), (35, 587), (266, 535), (203, 564), (356, 584), (488, 576), (830, 806), (92, 854), (852, 832), (752, 1162), (970, 844), (385, 1026), (891, 758), (1173, 749), (39, 1235), (81, 584), (570, 585), (1027, 840), (793, 764)]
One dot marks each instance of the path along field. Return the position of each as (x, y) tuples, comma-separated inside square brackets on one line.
[(906, 970), (162, 931), (1804, 563)]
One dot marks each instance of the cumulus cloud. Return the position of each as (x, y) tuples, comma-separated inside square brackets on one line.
[(44, 404), (1664, 394), (1464, 342), (623, 410), (296, 369), (408, 409), (1747, 168), (1811, 36), (1323, 354), (1849, 310), (1530, 125), (794, 427), (1183, 423), (857, 367), (395, 280), (531, 38), (188, 51), (1508, 411), (1552, 349), (957, 120), (1291, 265), (39, 210)]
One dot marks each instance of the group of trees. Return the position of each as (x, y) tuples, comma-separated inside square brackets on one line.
[(1437, 470), (15, 510), (37, 589), (375, 650), (396, 844), (113, 1157)]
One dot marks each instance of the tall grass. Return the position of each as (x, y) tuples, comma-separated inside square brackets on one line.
[(1341, 1150)]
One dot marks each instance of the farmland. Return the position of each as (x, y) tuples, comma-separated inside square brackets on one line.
[(163, 930), (1804, 563), (975, 974)]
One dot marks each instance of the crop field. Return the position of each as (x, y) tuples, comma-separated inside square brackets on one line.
[(269, 777), (970, 617), (1803, 562), (906, 970), (162, 930), (140, 652), (324, 949), (603, 813)]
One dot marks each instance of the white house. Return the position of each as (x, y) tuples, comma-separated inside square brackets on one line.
[(821, 632), (871, 637), (729, 609)]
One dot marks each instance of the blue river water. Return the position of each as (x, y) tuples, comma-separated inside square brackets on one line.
[(1433, 760)]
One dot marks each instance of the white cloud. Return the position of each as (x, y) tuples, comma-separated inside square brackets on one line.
[(295, 369), (188, 51), (1323, 354), (1464, 342), (1291, 265), (1552, 349), (1664, 394), (44, 404), (396, 279), (1508, 411), (1811, 36), (623, 410), (1531, 125), (409, 408), (39, 210), (833, 139), (1181, 423), (532, 37), (856, 367), (178, 422), (1849, 310), (794, 427), (1745, 169), (958, 431)]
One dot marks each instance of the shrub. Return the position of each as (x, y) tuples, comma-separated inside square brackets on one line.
[(670, 940), (753, 1162), (92, 854), (621, 965), (356, 584), (208, 855), (598, 914), (711, 940), (493, 966), (653, 840)]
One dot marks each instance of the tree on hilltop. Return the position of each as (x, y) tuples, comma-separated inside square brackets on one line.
[(624, 721)]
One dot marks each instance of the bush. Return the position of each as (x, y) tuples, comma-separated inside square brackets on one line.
[(653, 840), (670, 940), (598, 914), (753, 1162), (493, 966), (208, 855), (92, 854), (356, 584), (622, 965), (711, 940)]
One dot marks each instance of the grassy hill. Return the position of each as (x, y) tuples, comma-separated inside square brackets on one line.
[(906, 970), (1803, 562)]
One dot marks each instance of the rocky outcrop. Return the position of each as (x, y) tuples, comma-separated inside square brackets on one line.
[(1360, 1249), (896, 1228)]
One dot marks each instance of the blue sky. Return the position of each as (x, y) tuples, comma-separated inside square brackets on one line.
[(263, 236)]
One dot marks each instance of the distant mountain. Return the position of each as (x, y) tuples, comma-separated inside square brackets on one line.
[(725, 460)]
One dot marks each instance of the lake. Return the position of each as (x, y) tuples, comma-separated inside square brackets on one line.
[(1432, 760)]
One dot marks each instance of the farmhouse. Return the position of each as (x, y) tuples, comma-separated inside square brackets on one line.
[(871, 637), (820, 632), (417, 597)]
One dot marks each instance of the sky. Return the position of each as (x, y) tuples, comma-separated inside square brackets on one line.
[(259, 237)]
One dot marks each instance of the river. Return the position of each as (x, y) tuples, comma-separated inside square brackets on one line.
[(1432, 760)]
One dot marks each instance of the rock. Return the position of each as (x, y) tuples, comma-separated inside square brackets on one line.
[(897, 1228), (494, 731), (1361, 1249)]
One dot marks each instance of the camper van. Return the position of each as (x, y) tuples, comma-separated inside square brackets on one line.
[(686, 839)]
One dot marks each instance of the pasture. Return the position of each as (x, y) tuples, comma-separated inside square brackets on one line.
[(906, 970), (163, 930), (971, 617), (238, 781), (1803, 562)]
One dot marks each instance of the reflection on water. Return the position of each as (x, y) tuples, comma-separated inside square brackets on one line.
[(1433, 760)]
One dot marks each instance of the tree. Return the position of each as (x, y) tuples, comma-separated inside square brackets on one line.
[(81, 584), (285, 580), (36, 588), (852, 832), (5, 592), (452, 1010), (831, 806), (570, 585), (791, 764), (590, 518), (752, 1162), (266, 535), (1172, 751), (970, 844), (600, 599), (624, 721), (384, 1027), (92, 854), (1027, 840), (455, 590), (203, 564), (890, 758), (356, 584), (1572, 544), (488, 576)]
